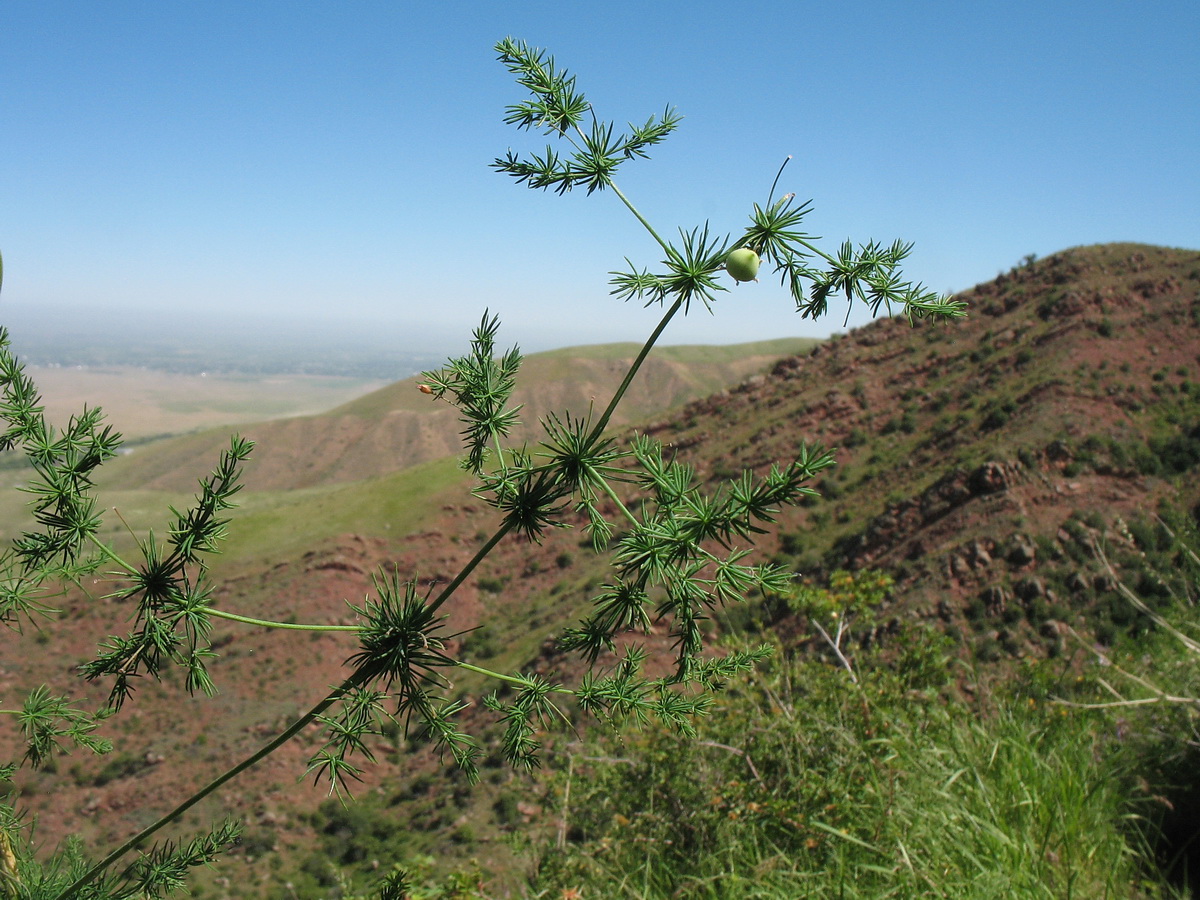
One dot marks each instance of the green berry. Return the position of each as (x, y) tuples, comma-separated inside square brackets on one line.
[(742, 264)]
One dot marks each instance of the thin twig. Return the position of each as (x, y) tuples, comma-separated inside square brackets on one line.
[(1141, 606), (739, 752), (836, 649), (1160, 696)]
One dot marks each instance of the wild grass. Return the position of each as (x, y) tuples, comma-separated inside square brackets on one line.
[(275, 523), (902, 786)]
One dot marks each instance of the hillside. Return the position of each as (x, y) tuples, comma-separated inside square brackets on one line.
[(397, 427), (968, 453), (971, 455)]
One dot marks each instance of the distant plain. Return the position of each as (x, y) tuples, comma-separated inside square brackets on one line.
[(145, 403)]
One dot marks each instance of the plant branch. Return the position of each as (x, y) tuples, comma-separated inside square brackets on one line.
[(602, 422), (637, 214), (612, 495), (264, 751), (511, 679), (836, 649), (266, 623), (479, 556), (112, 555)]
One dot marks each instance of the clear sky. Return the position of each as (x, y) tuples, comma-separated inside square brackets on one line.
[(329, 161)]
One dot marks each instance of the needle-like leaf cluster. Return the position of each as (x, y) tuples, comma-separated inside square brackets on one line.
[(63, 504), (171, 591), (397, 678), (160, 872), (480, 386), (555, 107), (679, 547), (47, 720)]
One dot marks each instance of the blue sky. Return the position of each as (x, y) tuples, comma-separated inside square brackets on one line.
[(329, 161)]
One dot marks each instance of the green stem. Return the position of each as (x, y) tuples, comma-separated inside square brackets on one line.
[(220, 614), (266, 623), (266, 750), (482, 552), (112, 554), (654, 336), (637, 214), (511, 679), (609, 183), (817, 251), (602, 423), (499, 451), (612, 495)]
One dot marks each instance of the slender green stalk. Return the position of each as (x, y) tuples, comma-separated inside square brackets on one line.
[(612, 495), (479, 556), (112, 555), (221, 614), (602, 422), (502, 677), (499, 452), (637, 214), (808, 245), (263, 752), (612, 185), (266, 623)]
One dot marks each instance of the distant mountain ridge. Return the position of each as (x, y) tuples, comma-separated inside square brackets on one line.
[(397, 426)]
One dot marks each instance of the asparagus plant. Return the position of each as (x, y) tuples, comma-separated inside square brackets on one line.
[(677, 547)]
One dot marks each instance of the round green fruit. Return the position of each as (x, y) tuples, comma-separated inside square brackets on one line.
[(742, 264)]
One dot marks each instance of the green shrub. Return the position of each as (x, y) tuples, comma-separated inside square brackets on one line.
[(123, 765), (481, 643), (988, 649)]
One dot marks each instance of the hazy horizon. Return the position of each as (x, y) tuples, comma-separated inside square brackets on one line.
[(332, 163), (183, 341)]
